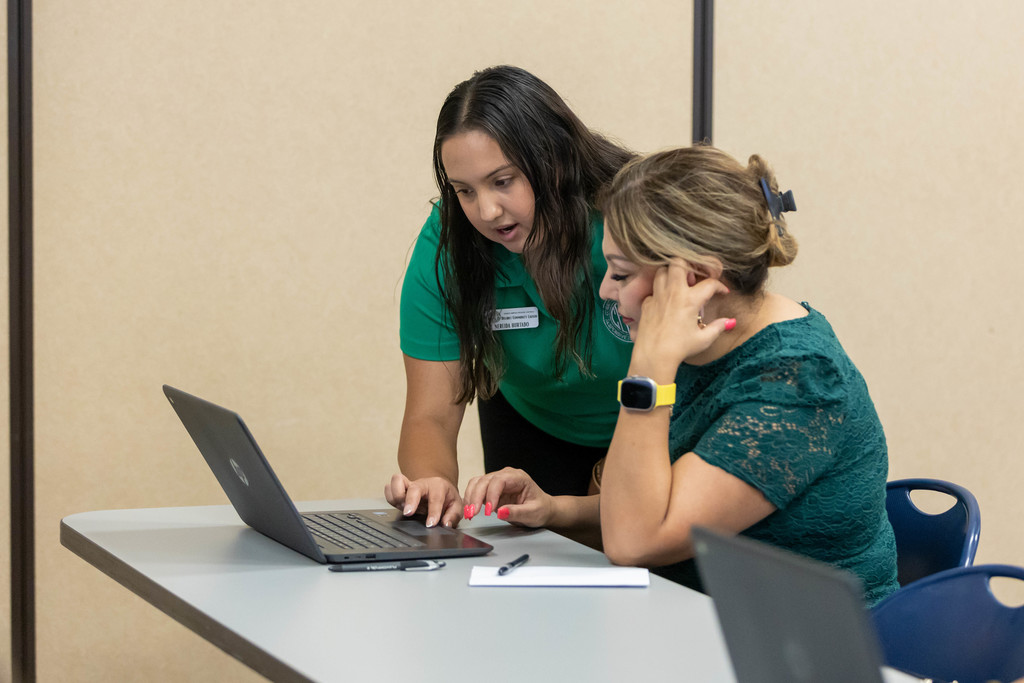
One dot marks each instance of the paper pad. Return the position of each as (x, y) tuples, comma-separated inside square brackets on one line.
[(561, 576)]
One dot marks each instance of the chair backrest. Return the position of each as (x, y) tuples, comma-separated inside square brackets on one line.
[(950, 626), (929, 543)]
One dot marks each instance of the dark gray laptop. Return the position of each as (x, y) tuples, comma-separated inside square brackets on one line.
[(786, 618), (336, 536)]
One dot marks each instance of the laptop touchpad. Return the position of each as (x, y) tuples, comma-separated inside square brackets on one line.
[(417, 529)]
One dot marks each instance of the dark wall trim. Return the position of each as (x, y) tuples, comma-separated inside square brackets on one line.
[(19, 151), (703, 67)]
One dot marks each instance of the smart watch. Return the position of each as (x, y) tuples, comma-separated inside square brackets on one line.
[(643, 393)]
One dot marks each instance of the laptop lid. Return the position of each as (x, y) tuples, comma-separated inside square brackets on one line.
[(258, 497), (786, 618)]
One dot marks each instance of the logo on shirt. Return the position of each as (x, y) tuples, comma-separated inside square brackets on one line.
[(613, 321)]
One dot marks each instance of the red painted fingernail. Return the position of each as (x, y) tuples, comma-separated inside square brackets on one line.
[(467, 512), (503, 514), (730, 323), (487, 509)]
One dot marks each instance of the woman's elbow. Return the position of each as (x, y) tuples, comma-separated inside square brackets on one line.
[(646, 550), (626, 553)]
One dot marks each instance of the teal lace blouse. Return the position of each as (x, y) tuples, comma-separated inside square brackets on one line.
[(788, 413)]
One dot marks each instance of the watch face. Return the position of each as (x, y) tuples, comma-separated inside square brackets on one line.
[(638, 394)]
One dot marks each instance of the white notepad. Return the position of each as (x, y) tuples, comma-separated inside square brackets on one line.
[(562, 576)]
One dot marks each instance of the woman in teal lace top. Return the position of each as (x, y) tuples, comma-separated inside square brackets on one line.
[(771, 433)]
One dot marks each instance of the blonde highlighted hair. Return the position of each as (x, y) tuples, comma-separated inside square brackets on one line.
[(699, 204)]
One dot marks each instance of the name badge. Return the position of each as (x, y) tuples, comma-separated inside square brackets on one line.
[(515, 318)]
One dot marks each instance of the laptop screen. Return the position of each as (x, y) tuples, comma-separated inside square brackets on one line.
[(786, 618)]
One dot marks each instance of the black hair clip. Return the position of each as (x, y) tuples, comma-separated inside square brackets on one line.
[(778, 202)]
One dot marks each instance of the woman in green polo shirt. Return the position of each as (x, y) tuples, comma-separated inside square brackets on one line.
[(740, 409), (500, 301)]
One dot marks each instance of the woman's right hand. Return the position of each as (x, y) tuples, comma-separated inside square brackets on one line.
[(435, 497), (512, 494)]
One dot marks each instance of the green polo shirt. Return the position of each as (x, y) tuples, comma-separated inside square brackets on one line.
[(574, 408)]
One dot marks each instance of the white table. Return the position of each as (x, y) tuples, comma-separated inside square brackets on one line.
[(290, 619)]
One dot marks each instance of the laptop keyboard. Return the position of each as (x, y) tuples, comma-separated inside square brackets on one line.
[(353, 532)]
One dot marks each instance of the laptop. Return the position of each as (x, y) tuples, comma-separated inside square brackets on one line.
[(787, 618), (335, 536)]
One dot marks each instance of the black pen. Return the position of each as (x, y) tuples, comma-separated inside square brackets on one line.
[(518, 562), (400, 565)]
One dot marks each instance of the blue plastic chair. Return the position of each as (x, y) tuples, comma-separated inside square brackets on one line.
[(951, 627), (927, 543)]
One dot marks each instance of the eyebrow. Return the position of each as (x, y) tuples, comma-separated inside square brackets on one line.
[(616, 257), (493, 173)]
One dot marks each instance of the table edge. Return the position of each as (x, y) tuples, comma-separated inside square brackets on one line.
[(181, 611)]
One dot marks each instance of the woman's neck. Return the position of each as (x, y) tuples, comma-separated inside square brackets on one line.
[(752, 314)]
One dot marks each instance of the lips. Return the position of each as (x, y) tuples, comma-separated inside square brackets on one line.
[(507, 233)]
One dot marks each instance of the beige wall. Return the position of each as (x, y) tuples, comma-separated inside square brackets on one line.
[(898, 127), (226, 193), (226, 196)]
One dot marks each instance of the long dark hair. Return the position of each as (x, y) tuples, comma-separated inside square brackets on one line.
[(566, 164)]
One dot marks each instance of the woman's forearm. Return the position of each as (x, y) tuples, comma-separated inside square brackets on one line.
[(427, 450), (636, 487), (578, 518)]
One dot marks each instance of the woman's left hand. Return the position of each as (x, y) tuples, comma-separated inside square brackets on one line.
[(512, 494), (670, 330)]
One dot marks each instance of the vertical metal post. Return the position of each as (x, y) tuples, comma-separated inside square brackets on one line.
[(703, 68), (22, 518)]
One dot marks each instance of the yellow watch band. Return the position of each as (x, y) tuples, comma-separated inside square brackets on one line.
[(666, 395)]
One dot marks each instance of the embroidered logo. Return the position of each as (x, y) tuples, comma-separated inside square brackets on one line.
[(612, 320)]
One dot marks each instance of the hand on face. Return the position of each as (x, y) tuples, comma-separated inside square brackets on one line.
[(668, 331)]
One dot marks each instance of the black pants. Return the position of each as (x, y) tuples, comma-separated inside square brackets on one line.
[(510, 440)]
